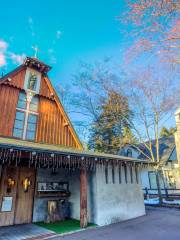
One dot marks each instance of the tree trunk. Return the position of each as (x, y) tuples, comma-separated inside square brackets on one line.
[(159, 187)]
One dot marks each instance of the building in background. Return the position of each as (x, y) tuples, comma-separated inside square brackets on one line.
[(169, 151)]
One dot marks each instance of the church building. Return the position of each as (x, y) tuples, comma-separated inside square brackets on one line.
[(45, 174)]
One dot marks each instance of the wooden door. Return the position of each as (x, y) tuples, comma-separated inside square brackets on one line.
[(8, 187), (24, 198), (16, 204)]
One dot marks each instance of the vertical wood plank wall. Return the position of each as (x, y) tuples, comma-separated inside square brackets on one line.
[(52, 127), (8, 102)]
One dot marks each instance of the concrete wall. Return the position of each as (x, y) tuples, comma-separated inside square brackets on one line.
[(107, 203), (40, 204), (119, 201)]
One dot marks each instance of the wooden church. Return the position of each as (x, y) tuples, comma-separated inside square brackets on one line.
[(45, 175)]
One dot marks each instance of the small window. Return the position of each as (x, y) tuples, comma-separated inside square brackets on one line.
[(32, 81), (152, 180), (19, 124), (129, 153), (22, 101), (31, 127)]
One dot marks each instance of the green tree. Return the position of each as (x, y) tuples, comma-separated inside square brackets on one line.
[(165, 132), (110, 131)]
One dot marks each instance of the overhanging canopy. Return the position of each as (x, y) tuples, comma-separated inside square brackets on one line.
[(40, 154)]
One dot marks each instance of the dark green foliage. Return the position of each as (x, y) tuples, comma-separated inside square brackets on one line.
[(111, 131)]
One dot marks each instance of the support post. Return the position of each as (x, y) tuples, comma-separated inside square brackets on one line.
[(83, 198)]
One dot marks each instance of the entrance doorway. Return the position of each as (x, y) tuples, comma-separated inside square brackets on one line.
[(16, 195)]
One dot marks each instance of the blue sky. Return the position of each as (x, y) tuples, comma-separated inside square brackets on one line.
[(65, 31)]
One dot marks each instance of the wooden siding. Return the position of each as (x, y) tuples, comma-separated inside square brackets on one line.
[(7, 218), (44, 90), (51, 127), (24, 200), (17, 80), (8, 101)]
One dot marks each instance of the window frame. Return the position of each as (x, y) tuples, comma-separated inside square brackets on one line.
[(26, 82), (31, 123), (23, 121), (27, 112), (150, 183)]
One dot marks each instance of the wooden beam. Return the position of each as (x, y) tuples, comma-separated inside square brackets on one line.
[(83, 198)]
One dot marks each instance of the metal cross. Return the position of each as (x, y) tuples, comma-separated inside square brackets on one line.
[(36, 49)]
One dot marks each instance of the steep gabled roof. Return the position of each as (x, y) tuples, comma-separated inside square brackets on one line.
[(166, 146), (4, 78), (43, 68), (61, 108)]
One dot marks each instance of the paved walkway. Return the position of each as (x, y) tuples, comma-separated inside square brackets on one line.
[(25, 231), (159, 224)]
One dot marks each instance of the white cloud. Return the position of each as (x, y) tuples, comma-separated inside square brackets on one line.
[(3, 50), (2, 59), (53, 60), (3, 46), (50, 50), (31, 26), (58, 34), (30, 20), (17, 58), (5, 55)]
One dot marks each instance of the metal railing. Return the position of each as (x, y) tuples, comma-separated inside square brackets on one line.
[(166, 192)]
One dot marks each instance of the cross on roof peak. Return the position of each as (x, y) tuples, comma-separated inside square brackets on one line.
[(36, 50)]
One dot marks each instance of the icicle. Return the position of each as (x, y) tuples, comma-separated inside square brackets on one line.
[(20, 153), (125, 172), (4, 156), (137, 173), (16, 158), (131, 173), (120, 172)]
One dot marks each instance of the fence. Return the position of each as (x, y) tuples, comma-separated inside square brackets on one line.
[(166, 192)]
